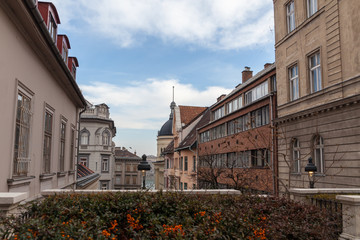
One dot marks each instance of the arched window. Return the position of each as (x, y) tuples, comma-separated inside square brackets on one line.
[(318, 153), (106, 138), (84, 137), (295, 165)]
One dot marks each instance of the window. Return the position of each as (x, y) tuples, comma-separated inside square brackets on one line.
[(205, 136), (181, 186), (62, 145), (185, 186), (260, 158), (318, 153), (181, 163), (22, 135), (104, 185), (234, 105), (273, 83), (185, 163), (127, 179), (290, 16), (118, 167), (73, 71), (72, 148), (294, 82), (260, 117), (52, 27), (134, 179), (84, 161), (167, 164), (64, 54), (47, 141), (295, 156), (106, 138), (84, 137), (105, 164), (257, 93), (312, 7), (219, 113), (118, 180), (315, 72), (194, 164)]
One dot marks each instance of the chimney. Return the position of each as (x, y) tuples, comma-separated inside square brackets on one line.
[(246, 74), (221, 97), (267, 65), (123, 148)]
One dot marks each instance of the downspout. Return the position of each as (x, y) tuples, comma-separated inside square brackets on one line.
[(273, 143)]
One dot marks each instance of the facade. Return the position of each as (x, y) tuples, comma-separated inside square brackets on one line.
[(40, 101), (318, 76), (96, 146), (126, 172), (237, 148), (178, 172)]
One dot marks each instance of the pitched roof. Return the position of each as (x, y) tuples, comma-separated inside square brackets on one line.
[(169, 148), (85, 176), (189, 113), (190, 139), (125, 154)]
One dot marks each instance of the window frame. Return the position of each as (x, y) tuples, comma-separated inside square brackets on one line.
[(311, 7), (295, 156), (294, 78), (63, 123), (47, 139), (82, 137), (21, 151), (105, 164), (290, 16), (315, 70), (318, 151)]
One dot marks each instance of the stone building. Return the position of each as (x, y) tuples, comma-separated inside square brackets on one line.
[(318, 79), (126, 172), (96, 150), (40, 102), (237, 147)]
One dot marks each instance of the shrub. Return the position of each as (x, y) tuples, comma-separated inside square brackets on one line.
[(169, 216)]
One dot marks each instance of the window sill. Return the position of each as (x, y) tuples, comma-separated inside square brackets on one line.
[(71, 172), (104, 171), (46, 176), (25, 180), (295, 174), (61, 174)]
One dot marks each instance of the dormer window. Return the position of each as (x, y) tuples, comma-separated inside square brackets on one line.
[(64, 53), (72, 65), (63, 45), (73, 71), (52, 27)]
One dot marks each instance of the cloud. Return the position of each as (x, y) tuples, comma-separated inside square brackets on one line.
[(146, 105), (214, 24)]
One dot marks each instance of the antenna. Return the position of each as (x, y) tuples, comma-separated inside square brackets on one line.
[(173, 93)]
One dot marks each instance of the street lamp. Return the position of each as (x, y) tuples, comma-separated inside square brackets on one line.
[(310, 169), (143, 167)]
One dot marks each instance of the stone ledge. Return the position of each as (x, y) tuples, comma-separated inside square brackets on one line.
[(9, 198), (349, 199), (323, 190)]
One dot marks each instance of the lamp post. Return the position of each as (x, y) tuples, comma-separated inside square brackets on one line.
[(143, 167), (311, 169)]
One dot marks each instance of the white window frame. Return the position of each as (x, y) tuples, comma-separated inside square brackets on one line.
[(312, 7), (62, 151), (294, 82), (315, 72), (84, 137), (47, 142), (52, 27), (290, 16), (319, 153), (105, 164)]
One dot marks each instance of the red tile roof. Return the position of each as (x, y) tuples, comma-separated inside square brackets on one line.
[(189, 113)]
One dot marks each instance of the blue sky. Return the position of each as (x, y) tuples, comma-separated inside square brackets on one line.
[(131, 53)]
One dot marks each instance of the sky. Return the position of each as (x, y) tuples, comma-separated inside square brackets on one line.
[(132, 52)]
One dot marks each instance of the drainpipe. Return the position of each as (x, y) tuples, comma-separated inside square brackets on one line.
[(273, 143)]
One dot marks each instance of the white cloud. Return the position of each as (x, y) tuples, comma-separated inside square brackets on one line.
[(216, 24), (146, 105)]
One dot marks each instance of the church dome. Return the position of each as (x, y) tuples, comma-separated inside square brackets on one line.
[(166, 129)]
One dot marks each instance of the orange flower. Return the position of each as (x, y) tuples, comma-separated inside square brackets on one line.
[(106, 233)]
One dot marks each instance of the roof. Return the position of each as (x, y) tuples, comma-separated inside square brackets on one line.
[(85, 175), (61, 36), (57, 18), (166, 129), (248, 82), (125, 154), (191, 138), (189, 113), (169, 148)]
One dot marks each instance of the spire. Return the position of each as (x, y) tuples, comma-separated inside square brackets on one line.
[(172, 104)]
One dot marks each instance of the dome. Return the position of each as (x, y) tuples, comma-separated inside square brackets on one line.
[(166, 129)]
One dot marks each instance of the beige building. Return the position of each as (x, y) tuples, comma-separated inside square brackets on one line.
[(126, 172), (318, 80), (96, 150), (40, 101)]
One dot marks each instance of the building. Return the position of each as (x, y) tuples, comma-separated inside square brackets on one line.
[(96, 150), (86, 178), (318, 77), (236, 148), (126, 172), (40, 101), (178, 172)]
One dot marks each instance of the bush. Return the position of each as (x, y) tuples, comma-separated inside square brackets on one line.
[(169, 216)]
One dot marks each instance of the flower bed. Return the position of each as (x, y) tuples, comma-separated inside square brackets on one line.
[(169, 216)]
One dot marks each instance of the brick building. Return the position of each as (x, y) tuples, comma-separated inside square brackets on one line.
[(237, 148)]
